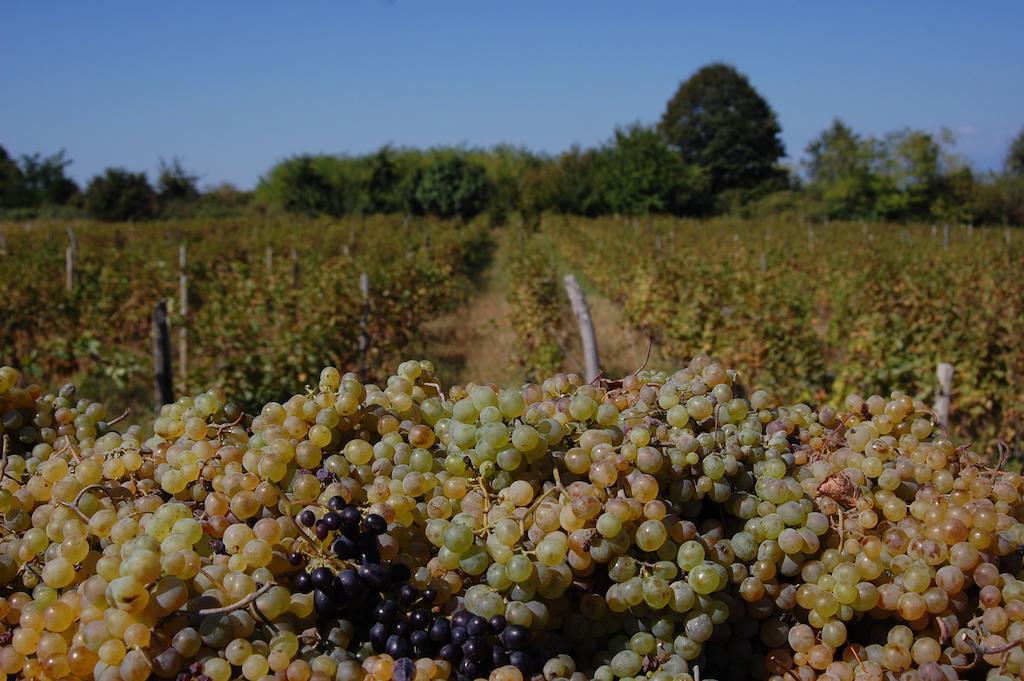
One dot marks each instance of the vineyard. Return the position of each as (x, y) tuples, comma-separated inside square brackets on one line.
[(807, 312), (266, 305)]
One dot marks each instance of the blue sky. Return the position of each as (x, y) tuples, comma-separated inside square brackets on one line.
[(233, 87)]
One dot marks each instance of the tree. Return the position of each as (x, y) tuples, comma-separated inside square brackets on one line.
[(717, 121), (175, 184), (839, 170), (118, 194), (640, 174), (12, 184), (1015, 157), (300, 185), (451, 186), (912, 174), (383, 192), (44, 181)]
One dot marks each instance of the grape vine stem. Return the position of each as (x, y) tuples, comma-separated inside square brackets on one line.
[(127, 411), (206, 612)]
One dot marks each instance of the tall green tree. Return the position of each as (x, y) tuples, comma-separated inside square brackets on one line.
[(384, 178), (175, 184), (118, 194), (717, 121), (1015, 157), (12, 184), (45, 180), (640, 174), (839, 171), (452, 186)]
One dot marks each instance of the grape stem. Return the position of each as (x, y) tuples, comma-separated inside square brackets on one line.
[(122, 417), (77, 511), (206, 612), (3, 458), (221, 427), (87, 488), (266, 620), (440, 392)]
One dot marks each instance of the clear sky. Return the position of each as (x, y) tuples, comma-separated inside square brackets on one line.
[(232, 87)]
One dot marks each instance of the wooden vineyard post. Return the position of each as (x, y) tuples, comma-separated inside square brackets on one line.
[(295, 268), (183, 308), (69, 269), (945, 237), (364, 336), (944, 372), (764, 262), (162, 390), (73, 242), (3, 243), (586, 326)]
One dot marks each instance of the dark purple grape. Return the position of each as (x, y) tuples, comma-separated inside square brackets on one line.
[(386, 611), (521, 661), (515, 637), (407, 593), (344, 548), (459, 635), (303, 583), (379, 633), (419, 618), (499, 657), (450, 652), (468, 669), (322, 578), (498, 623), (440, 630), (476, 649), (430, 594), (324, 602), (332, 520), (375, 524), (350, 516), (322, 530), (477, 626), (461, 618), (398, 646), (295, 558), (336, 503), (374, 576), (402, 628), (307, 518), (350, 584), (419, 638)]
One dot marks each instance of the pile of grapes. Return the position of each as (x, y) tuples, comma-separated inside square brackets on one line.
[(664, 526)]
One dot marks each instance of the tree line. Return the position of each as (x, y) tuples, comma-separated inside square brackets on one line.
[(716, 149)]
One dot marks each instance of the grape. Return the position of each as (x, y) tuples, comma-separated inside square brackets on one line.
[(508, 532)]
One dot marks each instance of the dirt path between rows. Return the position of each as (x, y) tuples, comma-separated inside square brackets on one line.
[(476, 342)]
